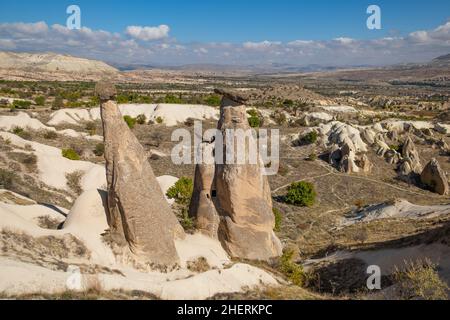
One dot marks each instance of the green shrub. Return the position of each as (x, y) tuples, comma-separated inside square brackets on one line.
[(40, 100), (58, 103), (254, 122), (290, 269), (122, 99), (309, 138), (213, 100), (141, 119), (22, 133), (17, 130), (70, 154), (312, 157), (170, 98), (159, 120), (181, 192), (301, 194), (21, 104), (99, 149), (131, 122), (278, 219)]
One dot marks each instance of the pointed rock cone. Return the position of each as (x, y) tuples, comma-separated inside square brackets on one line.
[(202, 207), (435, 178), (138, 215), (242, 195)]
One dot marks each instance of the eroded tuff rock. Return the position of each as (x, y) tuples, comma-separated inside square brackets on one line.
[(202, 207), (411, 160), (243, 198), (138, 215), (435, 178)]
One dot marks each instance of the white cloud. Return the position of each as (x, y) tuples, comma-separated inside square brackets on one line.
[(135, 45), (148, 33), (263, 45)]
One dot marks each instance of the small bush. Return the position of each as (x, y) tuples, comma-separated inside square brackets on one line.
[(17, 130), (70, 154), (21, 104), (199, 265), (419, 280), (309, 138), (40, 101), (301, 194), (278, 219), (181, 192), (254, 122), (131, 122), (91, 127), (50, 135), (73, 181), (290, 269), (312, 157), (141, 119), (6, 179), (99, 150), (159, 120), (58, 103), (22, 133), (213, 100)]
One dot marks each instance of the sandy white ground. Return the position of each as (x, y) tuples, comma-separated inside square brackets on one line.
[(171, 114), (23, 120), (87, 221), (397, 210), (53, 167)]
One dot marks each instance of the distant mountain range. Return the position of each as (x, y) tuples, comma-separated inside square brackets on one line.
[(52, 62)]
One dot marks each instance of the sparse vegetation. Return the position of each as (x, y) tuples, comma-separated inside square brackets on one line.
[(73, 181), (159, 120), (131, 122), (99, 149), (309, 138), (293, 271), (141, 119), (199, 265), (181, 192), (70, 154), (301, 194), (278, 219), (419, 280), (50, 135)]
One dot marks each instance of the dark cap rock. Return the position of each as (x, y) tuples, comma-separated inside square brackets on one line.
[(237, 97), (105, 90)]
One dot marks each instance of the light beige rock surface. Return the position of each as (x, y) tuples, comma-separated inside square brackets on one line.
[(435, 178), (243, 199), (138, 215), (202, 207)]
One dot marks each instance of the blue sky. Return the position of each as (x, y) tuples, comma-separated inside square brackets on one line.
[(200, 25)]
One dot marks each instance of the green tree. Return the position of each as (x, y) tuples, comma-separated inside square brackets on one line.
[(301, 194), (181, 192)]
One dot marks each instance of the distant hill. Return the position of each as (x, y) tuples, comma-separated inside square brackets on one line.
[(442, 61), (52, 62)]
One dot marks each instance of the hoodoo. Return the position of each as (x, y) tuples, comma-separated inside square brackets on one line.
[(138, 215)]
